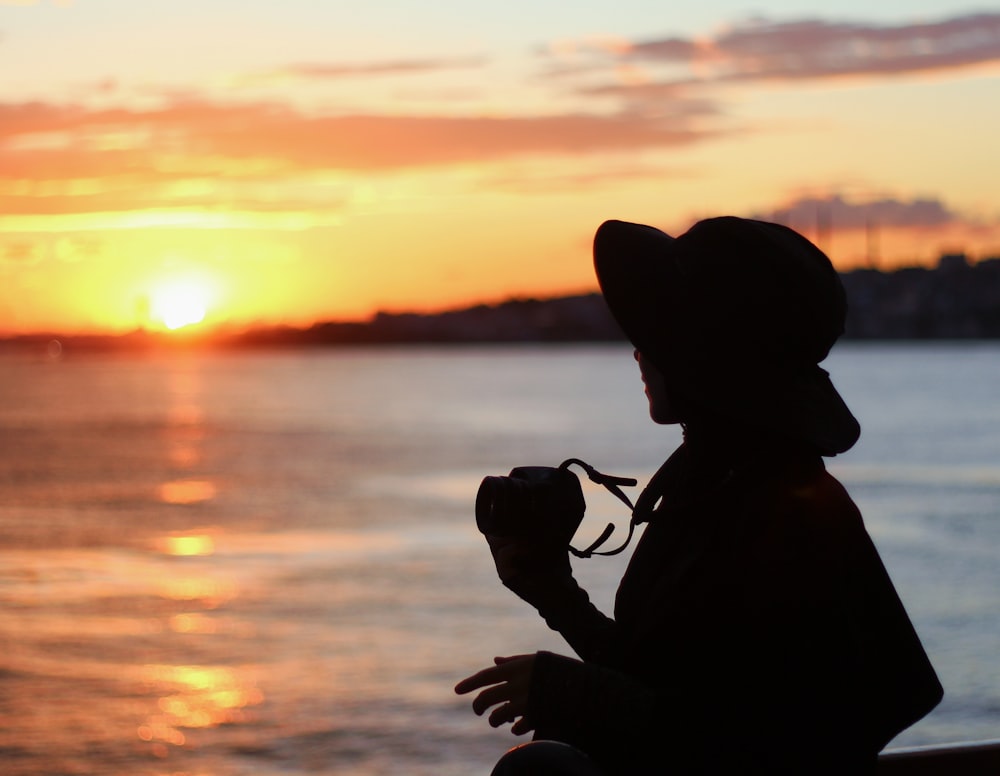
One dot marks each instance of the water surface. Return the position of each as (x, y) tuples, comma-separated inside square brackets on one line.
[(266, 563)]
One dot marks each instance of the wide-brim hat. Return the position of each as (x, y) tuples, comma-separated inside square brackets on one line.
[(737, 314)]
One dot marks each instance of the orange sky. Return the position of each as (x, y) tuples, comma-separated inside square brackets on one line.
[(294, 166)]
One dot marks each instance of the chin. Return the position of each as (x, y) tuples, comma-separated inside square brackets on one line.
[(663, 418)]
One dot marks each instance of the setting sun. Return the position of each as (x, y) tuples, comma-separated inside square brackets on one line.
[(179, 303)]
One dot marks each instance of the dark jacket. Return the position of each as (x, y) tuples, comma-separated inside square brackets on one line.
[(755, 631)]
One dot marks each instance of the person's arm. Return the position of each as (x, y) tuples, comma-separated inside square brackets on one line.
[(543, 577), (600, 711)]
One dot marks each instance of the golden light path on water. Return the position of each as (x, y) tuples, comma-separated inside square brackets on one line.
[(195, 697), (188, 491), (191, 697), (157, 651)]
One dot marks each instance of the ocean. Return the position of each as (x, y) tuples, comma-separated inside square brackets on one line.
[(267, 563)]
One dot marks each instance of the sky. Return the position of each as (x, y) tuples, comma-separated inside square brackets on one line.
[(231, 164)]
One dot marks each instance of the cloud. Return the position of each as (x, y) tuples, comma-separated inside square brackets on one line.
[(819, 49), (812, 49), (112, 197), (651, 98), (71, 250), (66, 158), (46, 141), (326, 71), (836, 212), (192, 162), (20, 254), (546, 181), (666, 49), (915, 231), (676, 75)]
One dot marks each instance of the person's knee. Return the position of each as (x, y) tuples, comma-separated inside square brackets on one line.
[(545, 758)]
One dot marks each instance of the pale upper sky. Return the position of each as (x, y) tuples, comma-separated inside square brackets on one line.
[(306, 160)]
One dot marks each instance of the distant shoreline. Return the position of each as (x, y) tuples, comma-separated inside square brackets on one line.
[(954, 301)]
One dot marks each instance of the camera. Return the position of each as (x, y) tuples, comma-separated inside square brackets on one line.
[(543, 505)]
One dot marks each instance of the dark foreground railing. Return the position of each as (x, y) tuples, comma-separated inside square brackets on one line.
[(981, 758)]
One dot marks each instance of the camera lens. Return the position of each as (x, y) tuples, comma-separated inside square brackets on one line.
[(487, 504)]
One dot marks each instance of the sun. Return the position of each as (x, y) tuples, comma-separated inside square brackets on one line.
[(179, 303)]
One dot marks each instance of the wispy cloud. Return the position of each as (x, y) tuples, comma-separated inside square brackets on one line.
[(332, 71), (811, 49), (26, 252), (915, 230), (820, 49), (50, 141), (838, 212)]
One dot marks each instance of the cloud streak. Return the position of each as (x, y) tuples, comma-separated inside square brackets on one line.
[(818, 49), (810, 49), (835, 211), (327, 71), (49, 142)]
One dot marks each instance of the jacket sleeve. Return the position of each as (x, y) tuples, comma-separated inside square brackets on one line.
[(567, 609), (594, 708)]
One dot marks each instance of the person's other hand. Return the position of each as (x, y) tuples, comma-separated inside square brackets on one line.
[(507, 684)]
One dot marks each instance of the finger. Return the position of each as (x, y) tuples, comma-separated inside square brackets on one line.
[(521, 726), (504, 670), (491, 696), (500, 660), (502, 714), (487, 676)]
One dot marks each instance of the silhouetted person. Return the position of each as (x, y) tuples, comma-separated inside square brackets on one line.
[(755, 628)]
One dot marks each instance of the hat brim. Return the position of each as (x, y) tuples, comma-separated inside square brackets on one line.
[(643, 283), (638, 278)]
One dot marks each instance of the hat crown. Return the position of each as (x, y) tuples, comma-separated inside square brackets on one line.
[(754, 289)]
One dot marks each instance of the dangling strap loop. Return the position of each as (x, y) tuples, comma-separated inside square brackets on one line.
[(613, 485)]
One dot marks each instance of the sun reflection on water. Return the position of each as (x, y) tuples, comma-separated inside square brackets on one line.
[(187, 491), (188, 545), (193, 623), (195, 697), (210, 593)]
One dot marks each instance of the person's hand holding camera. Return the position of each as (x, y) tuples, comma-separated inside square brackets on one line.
[(528, 568), (528, 520)]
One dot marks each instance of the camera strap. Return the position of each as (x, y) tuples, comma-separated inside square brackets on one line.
[(613, 485)]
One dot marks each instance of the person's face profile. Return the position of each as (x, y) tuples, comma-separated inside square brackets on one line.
[(661, 409)]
